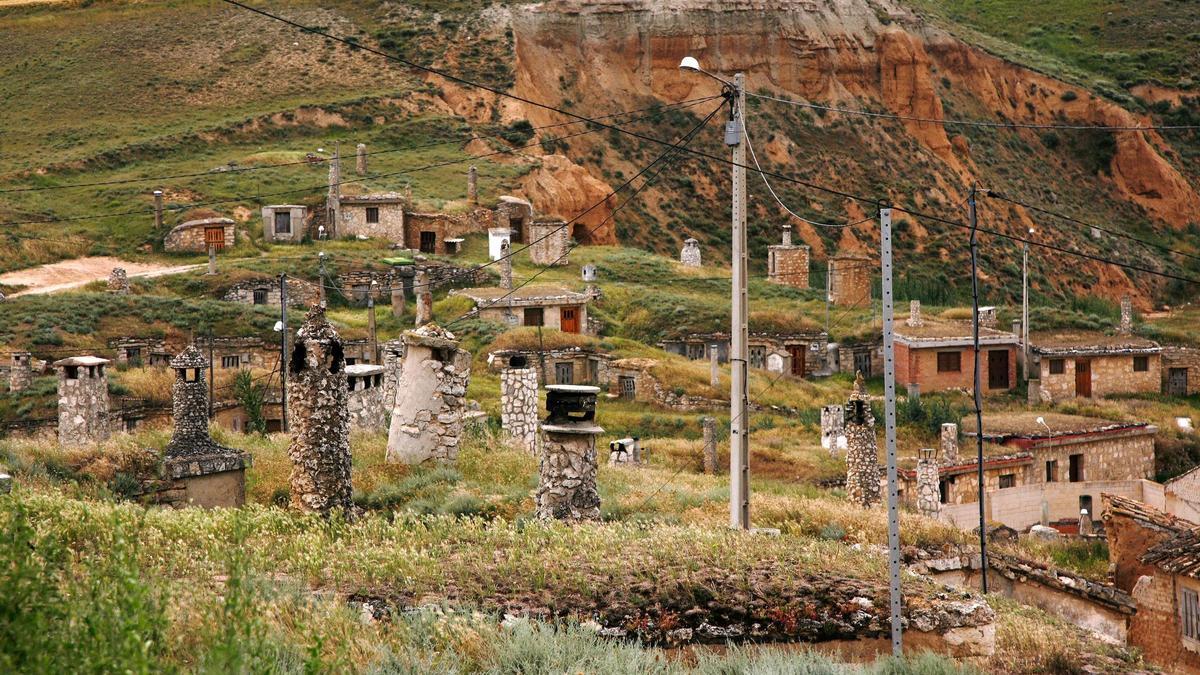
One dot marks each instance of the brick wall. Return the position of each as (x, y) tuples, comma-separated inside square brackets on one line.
[(1110, 375), (1128, 539), (1155, 628), (788, 265), (919, 366)]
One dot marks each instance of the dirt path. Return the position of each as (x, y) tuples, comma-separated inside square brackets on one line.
[(69, 274)]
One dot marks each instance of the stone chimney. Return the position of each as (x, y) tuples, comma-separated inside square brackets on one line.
[(20, 373), (833, 428), (929, 495), (333, 200), (427, 417), (506, 265), (589, 272), (709, 425), (690, 255), (472, 185), (862, 451), (914, 314), (118, 281), (82, 400), (949, 442), (567, 468), (519, 403), (360, 159), (1126, 326), (987, 317), (392, 358), (364, 400), (316, 394), (787, 235), (424, 298), (714, 366)]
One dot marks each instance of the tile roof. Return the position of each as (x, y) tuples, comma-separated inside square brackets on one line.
[(1004, 425), (1116, 505), (1179, 554), (526, 294)]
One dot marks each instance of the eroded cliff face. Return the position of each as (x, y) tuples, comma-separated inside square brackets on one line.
[(864, 54)]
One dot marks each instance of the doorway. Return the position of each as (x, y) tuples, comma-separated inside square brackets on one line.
[(1177, 381), (214, 238), (1083, 378), (998, 369), (569, 319), (797, 352), (428, 242)]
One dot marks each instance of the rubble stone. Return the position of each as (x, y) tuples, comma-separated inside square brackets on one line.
[(929, 502), (424, 298), (82, 400), (364, 401), (519, 406), (118, 281), (427, 417), (862, 451), (949, 442), (20, 372)]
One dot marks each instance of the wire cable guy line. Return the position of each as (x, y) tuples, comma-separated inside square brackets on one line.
[(973, 123), (260, 167)]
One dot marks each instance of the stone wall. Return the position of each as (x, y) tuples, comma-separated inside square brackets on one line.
[(567, 477), (929, 501), (364, 401), (919, 365), (189, 237), (427, 419), (788, 265), (549, 241), (850, 281), (1110, 375), (519, 406), (353, 218), (443, 226), (83, 407), (948, 442), (392, 358), (20, 373), (1184, 358), (317, 406), (298, 227), (301, 294)]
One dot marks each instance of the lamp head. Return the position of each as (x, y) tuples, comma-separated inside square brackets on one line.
[(689, 63)]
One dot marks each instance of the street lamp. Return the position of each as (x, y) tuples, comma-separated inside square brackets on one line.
[(739, 397)]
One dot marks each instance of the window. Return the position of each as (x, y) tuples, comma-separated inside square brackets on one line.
[(628, 386), (283, 222), (695, 351), (428, 242), (233, 361), (534, 317), (1008, 480), (1075, 470), (1085, 504), (949, 362), (1058, 366), (260, 296), (372, 214), (758, 357), (134, 356), (1141, 364), (564, 373), (1189, 614), (944, 491), (1052, 471)]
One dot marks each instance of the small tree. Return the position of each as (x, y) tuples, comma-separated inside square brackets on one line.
[(251, 395)]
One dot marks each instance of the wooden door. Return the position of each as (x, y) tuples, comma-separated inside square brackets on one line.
[(1177, 381), (569, 319), (998, 369), (428, 242), (1083, 378), (214, 237), (797, 353)]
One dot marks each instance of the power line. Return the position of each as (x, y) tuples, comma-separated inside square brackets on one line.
[(1115, 233), (971, 123), (260, 167)]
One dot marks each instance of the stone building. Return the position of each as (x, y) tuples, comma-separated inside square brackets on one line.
[(320, 421), (427, 418), (118, 281), (862, 450), (549, 242), (849, 280), (935, 355), (198, 471), (238, 352), (82, 400), (1086, 365), (567, 464), (1180, 370), (265, 291), (855, 357), (689, 256), (547, 305), (798, 354), (787, 263), (136, 352), (377, 216), (1166, 626), (515, 215), (519, 404), (284, 223), (20, 372), (196, 236), (365, 400), (569, 365)]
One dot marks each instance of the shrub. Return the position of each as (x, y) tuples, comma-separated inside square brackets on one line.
[(1068, 95)]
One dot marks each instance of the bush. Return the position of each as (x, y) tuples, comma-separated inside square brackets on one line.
[(1069, 96)]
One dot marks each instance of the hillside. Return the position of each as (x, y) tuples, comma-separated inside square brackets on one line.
[(236, 90)]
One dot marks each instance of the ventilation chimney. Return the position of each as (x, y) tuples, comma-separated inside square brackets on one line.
[(787, 235), (914, 313), (1126, 326)]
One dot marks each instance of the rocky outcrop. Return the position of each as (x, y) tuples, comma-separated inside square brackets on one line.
[(560, 188)]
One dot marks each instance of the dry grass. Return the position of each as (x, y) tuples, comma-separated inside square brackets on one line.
[(528, 338)]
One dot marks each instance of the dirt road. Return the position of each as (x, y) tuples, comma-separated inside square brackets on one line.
[(70, 274)]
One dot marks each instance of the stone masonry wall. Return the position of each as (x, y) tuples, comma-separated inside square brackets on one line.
[(1110, 375), (788, 265), (567, 478), (427, 419), (862, 452), (320, 448), (689, 256), (354, 221), (118, 281), (364, 404), (393, 360), (519, 406), (83, 406), (20, 373), (833, 428), (191, 239), (850, 281), (928, 495), (1186, 358), (949, 442), (549, 242)]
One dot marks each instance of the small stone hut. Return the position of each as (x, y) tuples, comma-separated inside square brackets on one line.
[(427, 418), (196, 236), (549, 242), (317, 398), (787, 263), (284, 223)]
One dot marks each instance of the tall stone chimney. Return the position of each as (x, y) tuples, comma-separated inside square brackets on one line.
[(82, 400), (929, 495), (427, 417), (20, 372), (709, 427), (567, 468), (506, 265), (472, 185), (862, 451), (1126, 326), (519, 403), (320, 449), (424, 298), (690, 255), (949, 442), (833, 428), (914, 314), (360, 159), (118, 281), (787, 235)]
